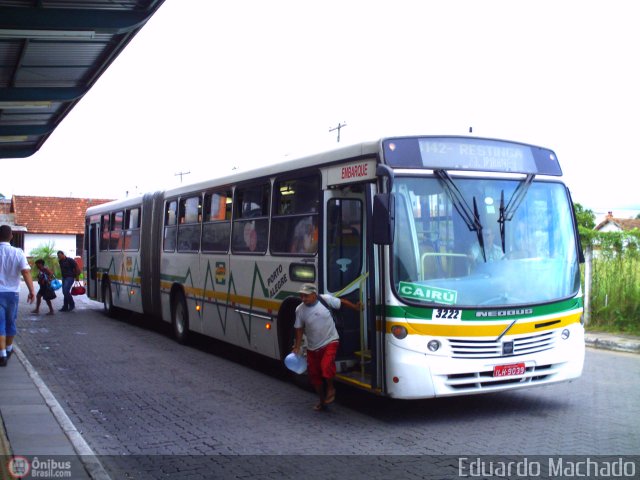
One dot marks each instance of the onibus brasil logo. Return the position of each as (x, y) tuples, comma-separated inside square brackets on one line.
[(20, 467)]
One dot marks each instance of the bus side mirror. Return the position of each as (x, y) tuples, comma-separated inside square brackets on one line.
[(384, 218)]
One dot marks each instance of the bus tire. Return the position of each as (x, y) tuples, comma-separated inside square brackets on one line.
[(107, 299), (180, 318)]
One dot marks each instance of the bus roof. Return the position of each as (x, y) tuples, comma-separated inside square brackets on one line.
[(357, 150), (428, 152)]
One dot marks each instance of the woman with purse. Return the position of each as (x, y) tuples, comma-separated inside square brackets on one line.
[(44, 281)]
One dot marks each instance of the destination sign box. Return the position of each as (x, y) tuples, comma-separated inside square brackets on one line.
[(468, 153)]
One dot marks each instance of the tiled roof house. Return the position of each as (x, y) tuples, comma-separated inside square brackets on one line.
[(42, 220), (613, 224)]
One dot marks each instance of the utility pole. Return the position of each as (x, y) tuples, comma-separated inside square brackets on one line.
[(181, 174), (340, 125)]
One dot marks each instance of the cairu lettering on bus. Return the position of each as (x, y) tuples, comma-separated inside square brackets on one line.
[(423, 292)]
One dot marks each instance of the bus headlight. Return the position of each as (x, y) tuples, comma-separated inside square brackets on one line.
[(399, 331), (565, 334), (433, 345)]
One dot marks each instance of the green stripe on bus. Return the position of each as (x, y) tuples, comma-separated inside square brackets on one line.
[(424, 313)]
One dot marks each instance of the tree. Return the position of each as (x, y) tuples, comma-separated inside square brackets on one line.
[(585, 217), (47, 252)]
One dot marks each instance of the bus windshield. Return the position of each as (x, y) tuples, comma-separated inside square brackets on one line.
[(454, 247)]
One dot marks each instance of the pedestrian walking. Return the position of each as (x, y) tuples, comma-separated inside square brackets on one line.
[(45, 291), (315, 320), (69, 271), (13, 263)]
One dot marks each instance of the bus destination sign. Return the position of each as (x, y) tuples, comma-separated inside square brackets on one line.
[(467, 153), (476, 155)]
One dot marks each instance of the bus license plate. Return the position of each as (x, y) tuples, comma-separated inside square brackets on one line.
[(509, 370)]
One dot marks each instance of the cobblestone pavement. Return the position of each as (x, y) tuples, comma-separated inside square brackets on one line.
[(155, 409)]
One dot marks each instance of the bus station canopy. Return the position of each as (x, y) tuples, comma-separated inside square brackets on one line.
[(51, 53)]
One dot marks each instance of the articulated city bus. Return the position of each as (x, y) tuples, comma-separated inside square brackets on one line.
[(463, 251)]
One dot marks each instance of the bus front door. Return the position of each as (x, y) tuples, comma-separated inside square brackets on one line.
[(346, 274)]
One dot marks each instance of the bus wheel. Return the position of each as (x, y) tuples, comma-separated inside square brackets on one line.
[(180, 319), (107, 299)]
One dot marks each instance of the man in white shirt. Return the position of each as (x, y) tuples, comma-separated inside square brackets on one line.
[(13, 263), (316, 322), (492, 252)]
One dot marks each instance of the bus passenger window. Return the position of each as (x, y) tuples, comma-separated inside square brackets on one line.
[(105, 234), (217, 222), (305, 235), (251, 219), (189, 224), (170, 218), (115, 242), (217, 206), (132, 229), (295, 216)]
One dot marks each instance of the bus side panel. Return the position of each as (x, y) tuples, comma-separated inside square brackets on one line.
[(254, 283), (124, 275), (216, 314)]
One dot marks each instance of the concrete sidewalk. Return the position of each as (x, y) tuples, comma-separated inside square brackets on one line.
[(33, 424)]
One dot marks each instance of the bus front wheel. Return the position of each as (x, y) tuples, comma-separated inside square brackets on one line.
[(180, 319)]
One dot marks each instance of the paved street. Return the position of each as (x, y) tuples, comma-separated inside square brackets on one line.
[(133, 392)]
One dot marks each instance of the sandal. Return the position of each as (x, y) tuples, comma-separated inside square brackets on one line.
[(320, 407), (330, 398)]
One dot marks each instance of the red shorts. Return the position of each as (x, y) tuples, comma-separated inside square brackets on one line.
[(321, 363)]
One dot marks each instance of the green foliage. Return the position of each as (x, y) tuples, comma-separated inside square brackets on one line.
[(46, 252), (585, 218), (615, 287)]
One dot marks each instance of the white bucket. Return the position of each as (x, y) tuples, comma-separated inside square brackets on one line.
[(296, 363)]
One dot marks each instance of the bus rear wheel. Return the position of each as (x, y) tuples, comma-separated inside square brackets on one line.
[(107, 299), (180, 319)]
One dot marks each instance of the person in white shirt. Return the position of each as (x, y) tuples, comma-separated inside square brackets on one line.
[(13, 263), (315, 321), (492, 251)]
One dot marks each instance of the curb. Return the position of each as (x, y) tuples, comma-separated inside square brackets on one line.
[(5, 451), (615, 343)]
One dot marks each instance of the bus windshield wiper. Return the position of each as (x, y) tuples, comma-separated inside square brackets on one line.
[(470, 217), (506, 213)]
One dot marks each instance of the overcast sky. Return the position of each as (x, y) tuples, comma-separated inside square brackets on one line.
[(209, 85)]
